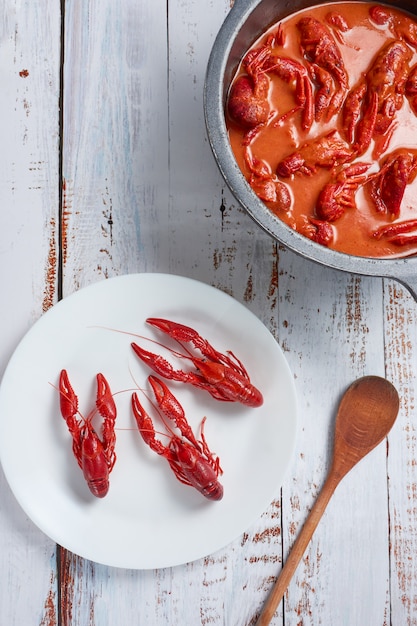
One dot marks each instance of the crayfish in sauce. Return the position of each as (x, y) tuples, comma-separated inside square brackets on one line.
[(222, 375), (248, 99), (387, 188), (339, 194), (191, 460), (96, 457), (411, 88), (351, 67), (322, 51), (267, 186), (327, 152), (248, 102), (401, 26), (381, 94)]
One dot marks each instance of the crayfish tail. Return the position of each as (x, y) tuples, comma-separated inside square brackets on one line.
[(213, 491)]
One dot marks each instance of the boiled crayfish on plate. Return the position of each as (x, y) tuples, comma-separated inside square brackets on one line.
[(96, 457), (222, 375), (191, 461)]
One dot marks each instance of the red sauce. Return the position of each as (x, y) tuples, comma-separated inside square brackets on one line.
[(261, 149)]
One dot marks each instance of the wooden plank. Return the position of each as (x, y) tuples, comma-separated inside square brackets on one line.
[(215, 241), (401, 342), (115, 163), (184, 222), (115, 139), (29, 189), (332, 332)]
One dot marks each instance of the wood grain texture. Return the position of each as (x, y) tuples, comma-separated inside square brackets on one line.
[(348, 339), (29, 208), (401, 337), (141, 192), (115, 158)]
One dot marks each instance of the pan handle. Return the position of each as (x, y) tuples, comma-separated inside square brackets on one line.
[(410, 283)]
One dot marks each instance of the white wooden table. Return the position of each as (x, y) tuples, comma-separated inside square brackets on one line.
[(105, 169)]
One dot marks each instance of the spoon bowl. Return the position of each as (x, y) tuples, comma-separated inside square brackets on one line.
[(366, 414)]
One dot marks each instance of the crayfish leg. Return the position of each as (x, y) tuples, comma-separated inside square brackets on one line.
[(211, 457)]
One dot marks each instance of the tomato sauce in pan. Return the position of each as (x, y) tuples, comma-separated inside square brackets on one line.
[(325, 127)]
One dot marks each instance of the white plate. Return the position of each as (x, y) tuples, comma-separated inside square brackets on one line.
[(148, 519)]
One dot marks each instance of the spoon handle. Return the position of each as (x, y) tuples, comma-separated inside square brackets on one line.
[(297, 551)]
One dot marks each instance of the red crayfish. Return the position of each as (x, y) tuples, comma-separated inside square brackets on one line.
[(370, 107), (267, 187), (319, 231), (322, 52), (248, 101), (327, 151), (338, 23), (291, 71), (401, 26), (398, 233), (222, 375), (95, 456), (339, 194), (411, 89), (387, 188), (191, 461)]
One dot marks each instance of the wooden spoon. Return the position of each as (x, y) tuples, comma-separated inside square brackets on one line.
[(366, 414)]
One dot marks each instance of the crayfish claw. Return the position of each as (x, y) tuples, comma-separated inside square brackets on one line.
[(171, 408), (67, 398), (155, 362), (177, 331), (105, 402), (161, 324), (146, 428)]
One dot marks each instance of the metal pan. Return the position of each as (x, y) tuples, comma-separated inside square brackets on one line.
[(246, 21)]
